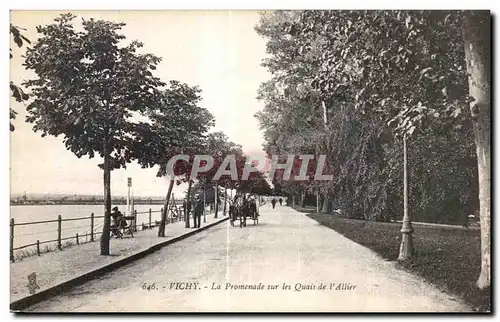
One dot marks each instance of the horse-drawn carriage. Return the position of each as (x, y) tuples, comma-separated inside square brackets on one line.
[(242, 208)]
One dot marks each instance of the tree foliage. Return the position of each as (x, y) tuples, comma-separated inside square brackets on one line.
[(90, 89), (15, 91), (347, 84)]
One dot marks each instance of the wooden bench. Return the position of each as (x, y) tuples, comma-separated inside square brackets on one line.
[(121, 229), (130, 220)]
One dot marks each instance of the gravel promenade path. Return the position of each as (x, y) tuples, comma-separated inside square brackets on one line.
[(286, 263)]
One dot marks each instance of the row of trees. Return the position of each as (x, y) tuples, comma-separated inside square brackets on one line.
[(103, 98), (353, 84)]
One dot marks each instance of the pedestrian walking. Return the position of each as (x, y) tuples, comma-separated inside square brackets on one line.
[(281, 202), (198, 211), (232, 214), (254, 209), (273, 202)]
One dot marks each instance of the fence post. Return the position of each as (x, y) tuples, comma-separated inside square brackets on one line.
[(12, 239), (38, 247), (92, 227), (77, 242), (59, 223), (149, 218)]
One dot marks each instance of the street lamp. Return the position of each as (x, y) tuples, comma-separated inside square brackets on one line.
[(406, 249), (129, 185)]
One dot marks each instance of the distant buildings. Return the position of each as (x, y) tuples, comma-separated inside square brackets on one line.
[(78, 200)]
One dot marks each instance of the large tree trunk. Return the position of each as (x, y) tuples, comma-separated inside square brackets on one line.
[(476, 33), (163, 221), (188, 205), (107, 201), (216, 200), (325, 123)]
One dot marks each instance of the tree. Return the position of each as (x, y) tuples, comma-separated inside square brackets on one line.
[(218, 146), (343, 63), (476, 34), (185, 168), (15, 91), (295, 113), (89, 89), (432, 53), (382, 75), (256, 184), (177, 125)]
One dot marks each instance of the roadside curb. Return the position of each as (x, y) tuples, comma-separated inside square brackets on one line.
[(65, 286)]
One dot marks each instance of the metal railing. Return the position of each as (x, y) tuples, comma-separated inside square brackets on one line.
[(90, 231)]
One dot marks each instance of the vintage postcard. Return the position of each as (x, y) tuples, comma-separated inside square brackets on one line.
[(250, 161)]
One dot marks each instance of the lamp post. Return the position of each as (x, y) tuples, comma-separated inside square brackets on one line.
[(406, 248), (131, 200)]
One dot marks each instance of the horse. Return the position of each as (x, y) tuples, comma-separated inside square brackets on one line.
[(240, 209)]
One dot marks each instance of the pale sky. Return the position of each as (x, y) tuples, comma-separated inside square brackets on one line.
[(217, 50)]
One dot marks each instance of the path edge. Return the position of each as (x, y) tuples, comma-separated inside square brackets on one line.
[(28, 301)]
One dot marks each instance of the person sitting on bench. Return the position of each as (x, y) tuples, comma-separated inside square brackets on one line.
[(118, 222)]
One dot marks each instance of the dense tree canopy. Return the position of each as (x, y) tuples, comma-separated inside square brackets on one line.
[(351, 84), (367, 76)]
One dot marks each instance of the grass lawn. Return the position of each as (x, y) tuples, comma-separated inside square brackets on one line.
[(445, 256)]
